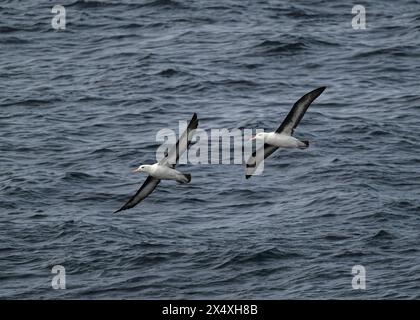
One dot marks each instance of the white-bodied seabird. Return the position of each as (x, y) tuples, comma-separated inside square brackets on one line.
[(165, 168), (282, 137)]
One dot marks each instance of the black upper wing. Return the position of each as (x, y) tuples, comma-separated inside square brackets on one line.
[(298, 111), (147, 188), (184, 141), (290, 122), (170, 160)]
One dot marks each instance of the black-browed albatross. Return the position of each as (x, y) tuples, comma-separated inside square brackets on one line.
[(282, 137), (165, 168)]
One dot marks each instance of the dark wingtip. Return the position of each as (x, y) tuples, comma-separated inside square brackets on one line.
[(194, 121), (321, 89), (315, 93), (248, 176), (121, 209), (188, 177)]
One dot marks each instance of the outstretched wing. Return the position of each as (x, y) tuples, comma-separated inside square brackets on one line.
[(147, 188), (298, 111), (184, 141), (288, 125), (170, 159), (257, 156)]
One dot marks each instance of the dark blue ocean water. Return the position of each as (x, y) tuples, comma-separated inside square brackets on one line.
[(80, 108)]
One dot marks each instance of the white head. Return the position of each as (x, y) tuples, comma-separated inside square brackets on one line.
[(142, 168), (260, 136)]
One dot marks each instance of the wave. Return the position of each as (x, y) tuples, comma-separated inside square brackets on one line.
[(171, 4), (383, 235), (396, 51), (351, 254), (93, 3), (265, 255), (335, 237), (275, 47), (168, 72), (8, 29), (71, 176), (32, 102), (13, 40), (293, 45)]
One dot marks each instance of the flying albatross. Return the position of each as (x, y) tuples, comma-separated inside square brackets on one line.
[(282, 137), (165, 168)]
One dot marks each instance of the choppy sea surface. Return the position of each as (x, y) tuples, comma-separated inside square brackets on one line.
[(80, 108)]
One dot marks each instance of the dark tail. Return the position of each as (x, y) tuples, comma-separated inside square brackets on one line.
[(188, 177), (305, 144), (185, 178)]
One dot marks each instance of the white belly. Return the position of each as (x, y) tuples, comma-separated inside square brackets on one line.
[(164, 173), (282, 141)]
